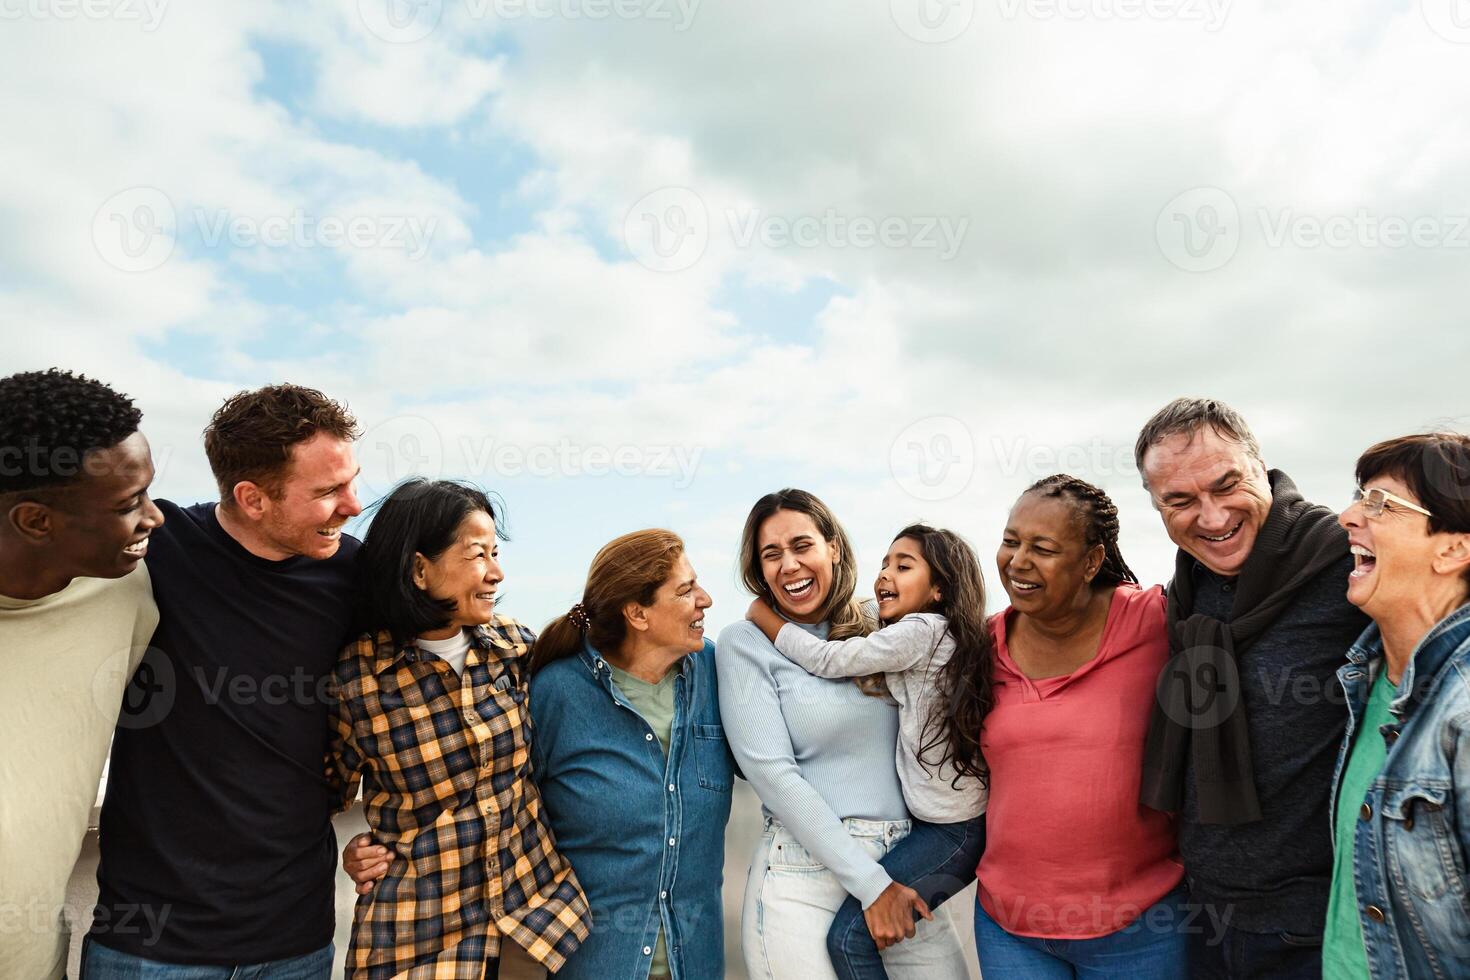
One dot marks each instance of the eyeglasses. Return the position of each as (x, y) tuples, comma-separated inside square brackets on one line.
[(1376, 499)]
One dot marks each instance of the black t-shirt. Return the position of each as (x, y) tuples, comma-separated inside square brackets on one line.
[(216, 834)]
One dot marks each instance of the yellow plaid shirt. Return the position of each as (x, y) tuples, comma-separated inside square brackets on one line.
[(445, 766)]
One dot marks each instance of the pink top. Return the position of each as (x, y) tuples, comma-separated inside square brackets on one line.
[(1070, 853)]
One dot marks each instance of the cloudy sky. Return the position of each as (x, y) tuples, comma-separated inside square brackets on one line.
[(636, 262)]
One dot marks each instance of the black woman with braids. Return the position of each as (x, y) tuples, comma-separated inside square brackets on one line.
[(1078, 878)]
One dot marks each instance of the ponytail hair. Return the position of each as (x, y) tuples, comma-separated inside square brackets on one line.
[(1099, 518), (627, 569)]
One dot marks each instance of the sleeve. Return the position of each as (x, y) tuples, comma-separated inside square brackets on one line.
[(344, 760), (756, 730), (1460, 780), (893, 648), (543, 727)]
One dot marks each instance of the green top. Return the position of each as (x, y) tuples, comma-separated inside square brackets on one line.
[(1343, 954), (655, 702)]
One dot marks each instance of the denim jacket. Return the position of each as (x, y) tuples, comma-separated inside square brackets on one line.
[(644, 833), (1411, 843)]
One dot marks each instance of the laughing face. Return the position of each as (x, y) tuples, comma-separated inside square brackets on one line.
[(904, 584), (1393, 553), (101, 525), (1213, 495), (316, 499), (676, 617), (467, 574), (1045, 563), (797, 564)]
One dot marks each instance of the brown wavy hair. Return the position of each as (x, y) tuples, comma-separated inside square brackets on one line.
[(626, 569), (843, 614), (250, 437)]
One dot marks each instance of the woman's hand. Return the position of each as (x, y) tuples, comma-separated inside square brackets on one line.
[(364, 862), (761, 614), (891, 917)]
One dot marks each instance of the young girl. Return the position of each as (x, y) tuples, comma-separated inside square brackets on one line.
[(935, 640)]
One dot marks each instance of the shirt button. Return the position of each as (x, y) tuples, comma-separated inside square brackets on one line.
[(647, 950), (1365, 811), (672, 841), (1375, 913), (648, 738), (671, 787), (663, 894)]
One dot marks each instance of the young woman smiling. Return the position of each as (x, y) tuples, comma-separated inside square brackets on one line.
[(1078, 879), (821, 756)]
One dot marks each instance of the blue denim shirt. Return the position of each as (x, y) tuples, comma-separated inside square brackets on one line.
[(645, 833), (1411, 844)]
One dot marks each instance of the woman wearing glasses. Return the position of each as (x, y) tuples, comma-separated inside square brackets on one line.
[(1401, 798)]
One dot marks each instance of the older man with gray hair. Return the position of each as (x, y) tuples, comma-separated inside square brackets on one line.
[(1249, 714)]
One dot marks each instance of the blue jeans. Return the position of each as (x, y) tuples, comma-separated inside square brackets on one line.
[(936, 860), (101, 963), (1152, 947), (1241, 955)]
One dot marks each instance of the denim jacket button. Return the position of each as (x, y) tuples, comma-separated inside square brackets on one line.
[(1375, 913), (1366, 812)]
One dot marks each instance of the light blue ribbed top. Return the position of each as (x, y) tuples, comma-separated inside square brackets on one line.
[(816, 751)]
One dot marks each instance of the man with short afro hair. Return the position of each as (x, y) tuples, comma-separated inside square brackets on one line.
[(76, 614)]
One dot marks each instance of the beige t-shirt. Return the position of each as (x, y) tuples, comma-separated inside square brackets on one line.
[(64, 661)]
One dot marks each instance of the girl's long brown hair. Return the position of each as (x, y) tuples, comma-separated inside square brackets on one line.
[(627, 569), (965, 680)]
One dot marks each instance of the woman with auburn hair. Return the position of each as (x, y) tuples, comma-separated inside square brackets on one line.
[(632, 762), (821, 754)]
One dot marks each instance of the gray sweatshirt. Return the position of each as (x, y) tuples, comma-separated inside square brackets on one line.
[(910, 654), (815, 751)]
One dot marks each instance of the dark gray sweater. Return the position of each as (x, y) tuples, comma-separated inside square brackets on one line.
[(1273, 875)]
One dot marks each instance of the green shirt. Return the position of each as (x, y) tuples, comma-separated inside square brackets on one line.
[(1343, 954), (655, 702)]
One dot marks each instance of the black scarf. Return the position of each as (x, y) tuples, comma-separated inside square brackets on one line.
[(1198, 715)]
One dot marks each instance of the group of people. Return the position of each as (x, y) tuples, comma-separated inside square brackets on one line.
[(1259, 770)]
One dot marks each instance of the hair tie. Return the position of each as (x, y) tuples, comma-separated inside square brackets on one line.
[(578, 616)]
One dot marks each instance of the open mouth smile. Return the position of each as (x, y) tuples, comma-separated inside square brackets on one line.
[(800, 589), (1227, 535)]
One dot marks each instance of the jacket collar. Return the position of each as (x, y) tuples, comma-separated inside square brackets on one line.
[(1434, 652), (599, 668)]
